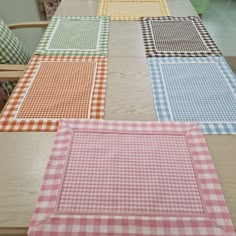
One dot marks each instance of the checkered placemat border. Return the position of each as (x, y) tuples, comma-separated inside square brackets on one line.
[(160, 99), (8, 122), (103, 8), (216, 220), (103, 38), (150, 45)]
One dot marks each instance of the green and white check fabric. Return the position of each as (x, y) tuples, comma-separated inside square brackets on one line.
[(11, 49), (68, 35), (11, 52), (8, 86)]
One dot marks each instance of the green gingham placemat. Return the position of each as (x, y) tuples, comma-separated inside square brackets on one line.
[(68, 35)]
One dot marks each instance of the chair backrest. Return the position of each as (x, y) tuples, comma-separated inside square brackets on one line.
[(11, 49), (3, 97)]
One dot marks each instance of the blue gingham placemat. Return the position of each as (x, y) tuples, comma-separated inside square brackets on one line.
[(201, 89)]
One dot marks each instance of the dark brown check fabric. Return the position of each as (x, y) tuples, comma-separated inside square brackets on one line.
[(177, 37)]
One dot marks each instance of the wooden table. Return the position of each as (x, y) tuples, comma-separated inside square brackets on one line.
[(129, 97)]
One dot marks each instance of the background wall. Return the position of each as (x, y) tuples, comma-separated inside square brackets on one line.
[(13, 11), (220, 21)]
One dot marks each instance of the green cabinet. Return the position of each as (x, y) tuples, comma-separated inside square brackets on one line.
[(200, 6)]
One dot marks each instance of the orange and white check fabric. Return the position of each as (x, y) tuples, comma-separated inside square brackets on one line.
[(60, 89), (55, 87)]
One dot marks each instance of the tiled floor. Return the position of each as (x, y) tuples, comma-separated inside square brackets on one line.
[(220, 21)]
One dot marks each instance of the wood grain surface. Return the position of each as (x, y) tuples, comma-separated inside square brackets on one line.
[(24, 158), (129, 97)]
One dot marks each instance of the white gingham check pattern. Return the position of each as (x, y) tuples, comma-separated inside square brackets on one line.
[(104, 7), (80, 37), (107, 173), (195, 102), (103, 37), (49, 219), (59, 89), (166, 36), (11, 52), (8, 118)]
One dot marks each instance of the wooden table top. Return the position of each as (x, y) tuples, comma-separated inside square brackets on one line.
[(129, 97)]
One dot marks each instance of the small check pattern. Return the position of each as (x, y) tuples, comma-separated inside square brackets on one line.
[(80, 36), (8, 86), (121, 181), (48, 37), (177, 37), (50, 219), (199, 90), (132, 10), (59, 89), (8, 117), (11, 52)]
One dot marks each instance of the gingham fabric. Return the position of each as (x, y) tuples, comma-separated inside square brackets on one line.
[(11, 52), (132, 10), (8, 86), (88, 36), (130, 178), (177, 37), (45, 94), (199, 89), (60, 89), (11, 49), (3, 97)]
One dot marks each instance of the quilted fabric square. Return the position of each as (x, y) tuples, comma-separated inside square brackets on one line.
[(54, 88), (177, 37), (130, 178), (87, 36), (199, 90), (132, 9)]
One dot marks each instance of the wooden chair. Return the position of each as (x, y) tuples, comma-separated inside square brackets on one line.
[(13, 57)]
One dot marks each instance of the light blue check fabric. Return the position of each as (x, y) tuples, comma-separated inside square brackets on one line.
[(199, 90)]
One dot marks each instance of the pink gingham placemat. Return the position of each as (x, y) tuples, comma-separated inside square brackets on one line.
[(130, 178)]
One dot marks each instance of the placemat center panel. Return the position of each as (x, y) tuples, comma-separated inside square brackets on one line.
[(74, 35), (137, 9), (59, 90), (193, 96), (177, 36), (132, 174)]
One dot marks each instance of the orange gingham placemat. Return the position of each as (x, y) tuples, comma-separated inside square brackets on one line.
[(55, 87), (132, 9), (60, 89)]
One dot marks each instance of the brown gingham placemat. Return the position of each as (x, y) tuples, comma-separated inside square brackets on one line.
[(177, 37)]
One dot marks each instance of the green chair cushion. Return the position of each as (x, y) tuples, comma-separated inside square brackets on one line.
[(11, 49), (11, 52)]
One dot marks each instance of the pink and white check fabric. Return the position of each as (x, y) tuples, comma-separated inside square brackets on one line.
[(130, 178)]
